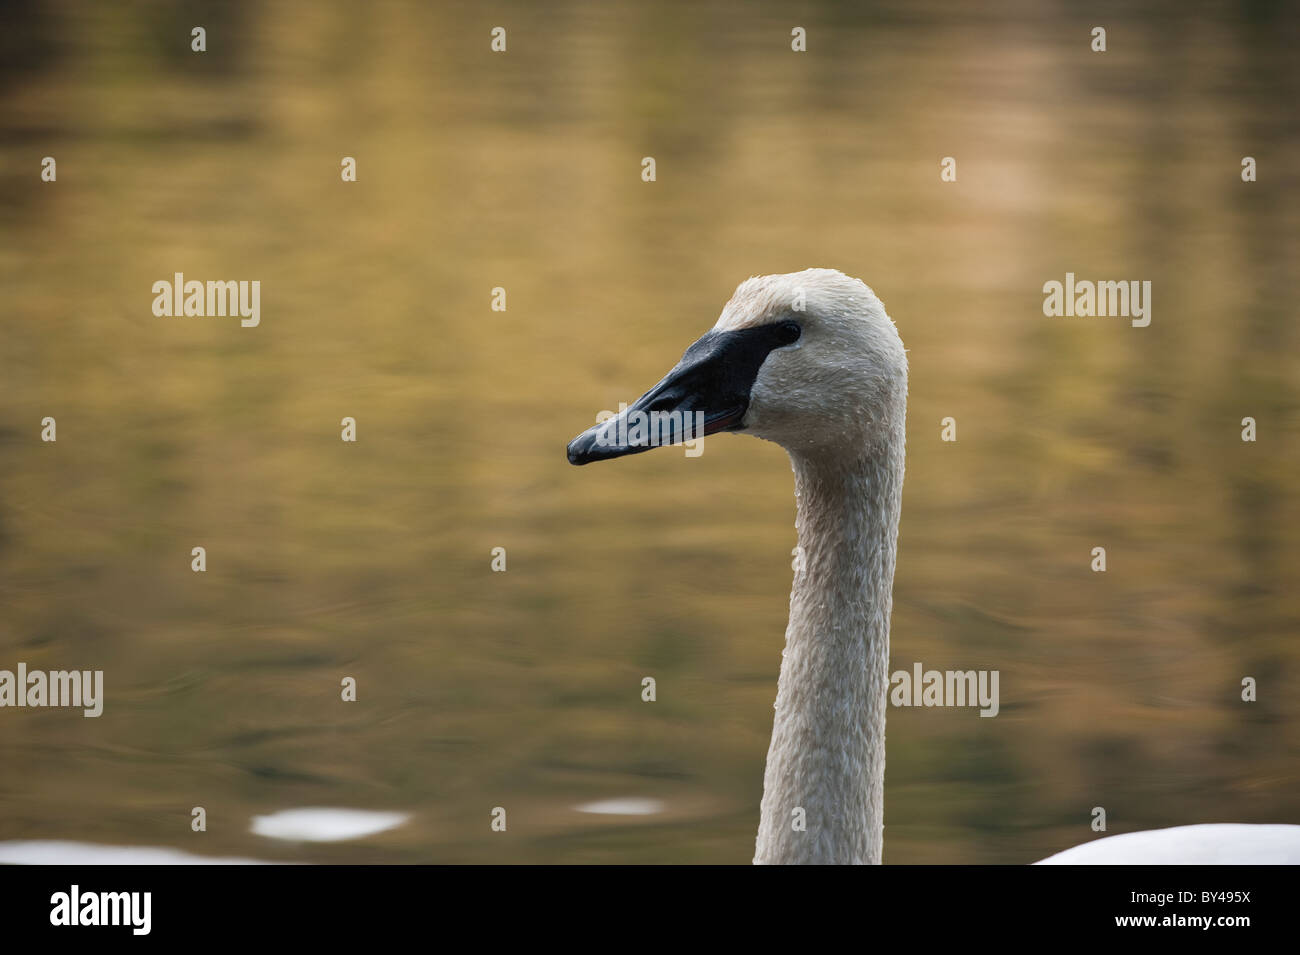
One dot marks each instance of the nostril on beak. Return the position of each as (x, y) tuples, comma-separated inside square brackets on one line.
[(668, 401)]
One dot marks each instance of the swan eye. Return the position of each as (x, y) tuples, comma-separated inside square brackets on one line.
[(788, 332)]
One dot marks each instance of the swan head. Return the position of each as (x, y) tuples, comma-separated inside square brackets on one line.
[(808, 359)]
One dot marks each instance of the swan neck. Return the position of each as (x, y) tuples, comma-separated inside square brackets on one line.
[(824, 781)]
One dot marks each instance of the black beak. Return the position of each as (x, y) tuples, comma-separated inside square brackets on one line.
[(707, 392)]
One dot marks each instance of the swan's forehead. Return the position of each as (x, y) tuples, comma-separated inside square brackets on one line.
[(813, 294), (758, 301)]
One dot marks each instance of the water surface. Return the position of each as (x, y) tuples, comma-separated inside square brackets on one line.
[(522, 690)]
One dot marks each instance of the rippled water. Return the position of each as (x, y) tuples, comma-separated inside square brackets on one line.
[(522, 690)]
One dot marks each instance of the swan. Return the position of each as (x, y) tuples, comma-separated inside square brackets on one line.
[(811, 361)]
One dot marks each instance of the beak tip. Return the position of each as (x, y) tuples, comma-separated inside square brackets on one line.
[(574, 453)]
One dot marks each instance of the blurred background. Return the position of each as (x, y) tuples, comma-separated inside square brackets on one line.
[(523, 170)]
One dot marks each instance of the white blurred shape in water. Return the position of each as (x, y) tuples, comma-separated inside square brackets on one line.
[(325, 825), (628, 806), (1221, 843), (58, 852)]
